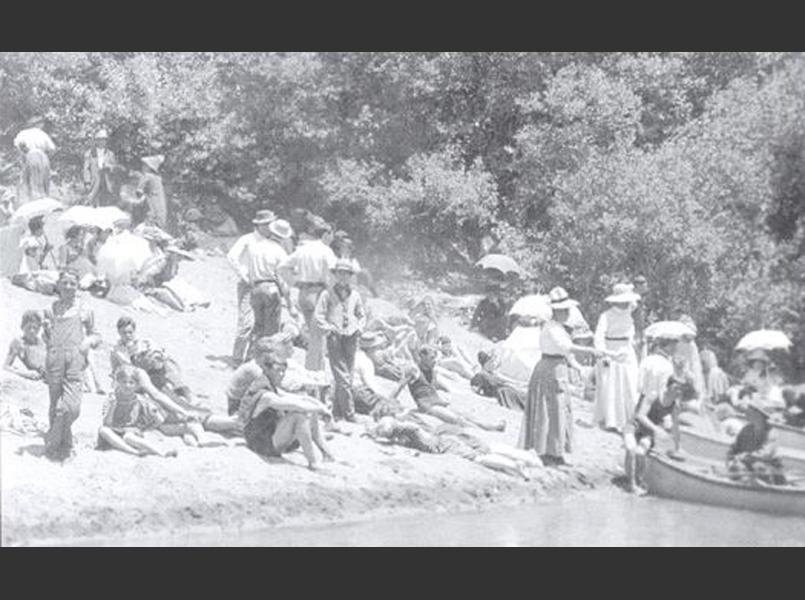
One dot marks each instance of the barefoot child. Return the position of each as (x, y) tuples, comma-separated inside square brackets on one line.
[(29, 349), (69, 331), (126, 415)]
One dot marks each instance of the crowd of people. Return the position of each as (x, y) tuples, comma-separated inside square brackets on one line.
[(300, 285)]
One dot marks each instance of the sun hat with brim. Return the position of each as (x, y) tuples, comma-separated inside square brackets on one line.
[(623, 292), (263, 217), (343, 265), (193, 214), (102, 134), (280, 228), (559, 299), (153, 162), (668, 330)]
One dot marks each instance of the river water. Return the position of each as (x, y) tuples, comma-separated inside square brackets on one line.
[(597, 519)]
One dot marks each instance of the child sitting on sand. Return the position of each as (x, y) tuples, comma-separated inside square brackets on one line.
[(423, 384), (127, 415), (29, 348)]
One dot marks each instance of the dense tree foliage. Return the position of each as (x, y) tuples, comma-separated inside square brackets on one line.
[(686, 167)]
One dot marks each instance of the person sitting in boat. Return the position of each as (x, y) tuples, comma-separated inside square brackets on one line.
[(794, 397), (488, 382), (761, 377), (752, 458), (659, 397)]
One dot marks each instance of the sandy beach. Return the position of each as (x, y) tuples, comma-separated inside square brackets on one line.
[(231, 489)]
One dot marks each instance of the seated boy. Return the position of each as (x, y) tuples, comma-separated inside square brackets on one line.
[(29, 348)]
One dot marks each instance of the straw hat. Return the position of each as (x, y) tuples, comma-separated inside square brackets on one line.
[(102, 135), (623, 292), (344, 265), (280, 228), (153, 162), (559, 299), (264, 217)]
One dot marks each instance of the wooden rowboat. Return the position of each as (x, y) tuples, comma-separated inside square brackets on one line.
[(714, 446), (694, 481)]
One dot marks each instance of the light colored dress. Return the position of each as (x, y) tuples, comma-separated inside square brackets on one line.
[(616, 380), (547, 424)]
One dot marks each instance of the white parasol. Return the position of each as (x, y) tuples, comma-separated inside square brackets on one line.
[(499, 262), (668, 329), (534, 305), (35, 208), (103, 217), (764, 339), (122, 256)]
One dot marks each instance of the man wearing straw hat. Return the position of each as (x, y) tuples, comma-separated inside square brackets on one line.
[(257, 258), (100, 165)]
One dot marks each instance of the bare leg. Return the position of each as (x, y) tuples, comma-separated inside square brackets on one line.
[(315, 433), (222, 423), (295, 427), (117, 442), (141, 443), (629, 468), (502, 463), (449, 415), (528, 457)]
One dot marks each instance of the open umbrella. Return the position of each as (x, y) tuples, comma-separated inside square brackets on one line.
[(764, 339), (122, 256), (35, 208), (668, 329), (534, 305), (499, 262), (88, 216)]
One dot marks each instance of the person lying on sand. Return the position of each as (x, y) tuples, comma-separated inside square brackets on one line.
[(369, 399), (451, 439), (488, 382), (423, 384), (277, 422), (388, 359), (166, 377), (29, 348), (127, 414)]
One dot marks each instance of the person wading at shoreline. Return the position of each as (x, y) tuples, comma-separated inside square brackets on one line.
[(547, 424), (310, 264)]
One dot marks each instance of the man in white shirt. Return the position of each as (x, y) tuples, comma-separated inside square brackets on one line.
[(100, 166), (310, 264), (257, 258), (34, 145)]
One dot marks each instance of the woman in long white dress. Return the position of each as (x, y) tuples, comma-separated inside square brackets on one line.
[(616, 379)]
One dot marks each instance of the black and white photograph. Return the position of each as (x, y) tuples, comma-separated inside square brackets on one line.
[(402, 299)]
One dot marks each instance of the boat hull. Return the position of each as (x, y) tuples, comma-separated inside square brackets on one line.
[(689, 481)]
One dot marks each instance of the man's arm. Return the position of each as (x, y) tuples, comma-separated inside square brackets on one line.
[(289, 403), (234, 255), (149, 388), (320, 312), (360, 312), (14, 352)]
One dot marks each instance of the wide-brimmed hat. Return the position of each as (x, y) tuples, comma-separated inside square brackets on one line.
[(623, 292), (154, 162), (264, 217), (280, 228), (343, 265), (102, 134), (372, 339), (559, 299)]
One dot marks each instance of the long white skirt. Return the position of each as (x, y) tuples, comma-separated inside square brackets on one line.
[(616, 387)]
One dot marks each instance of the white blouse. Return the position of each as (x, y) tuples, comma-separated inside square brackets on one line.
[(613, 324), (554, 339)]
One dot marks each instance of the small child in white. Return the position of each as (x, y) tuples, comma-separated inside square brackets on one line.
[(126, 415)]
